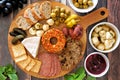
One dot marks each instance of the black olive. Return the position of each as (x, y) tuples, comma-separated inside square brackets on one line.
[(13, 34)]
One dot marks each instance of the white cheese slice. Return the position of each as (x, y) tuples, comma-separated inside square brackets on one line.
[(32, 45)]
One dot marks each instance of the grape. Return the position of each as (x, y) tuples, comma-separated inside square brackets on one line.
[(20, 5), (9, 5), (6, 11), (24, 1), (14, 3)]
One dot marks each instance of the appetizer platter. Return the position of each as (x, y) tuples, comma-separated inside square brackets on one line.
[(48, 39)]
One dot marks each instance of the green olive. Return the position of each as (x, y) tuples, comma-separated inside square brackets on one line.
[(80, 1), (90, 3), (81, 6), (65, 16), (53, 14), (57, 22), (57, 7), (57, 11), (54, 18), (62, 20), (62, 15), (85, 6), (76, 4), (68, 12), (62, 10)]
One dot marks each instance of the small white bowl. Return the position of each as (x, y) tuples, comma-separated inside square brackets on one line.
[(106, 69), (83, 10), (112, 26)]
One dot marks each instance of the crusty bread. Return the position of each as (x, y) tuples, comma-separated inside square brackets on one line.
[(24, 63), (22, 23), (28, 14), (46, 8), (18, 50), (36, 11), (36, 68)]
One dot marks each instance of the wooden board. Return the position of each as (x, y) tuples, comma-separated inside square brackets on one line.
[(85, 22)]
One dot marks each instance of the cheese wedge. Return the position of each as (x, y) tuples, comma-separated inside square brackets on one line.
[(32, 45), (30, 66), (36, 68), (18, 50), (23, 64), (21, 58)]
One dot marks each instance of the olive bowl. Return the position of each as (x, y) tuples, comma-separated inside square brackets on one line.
[(90, 8)]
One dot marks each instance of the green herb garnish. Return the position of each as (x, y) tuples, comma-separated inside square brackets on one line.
[(80, 74), (8, 71)]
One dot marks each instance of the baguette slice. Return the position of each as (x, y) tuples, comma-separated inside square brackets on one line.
[(28, 14), (22, 23), (21, 58), (23, 64), (18, 50), (36, 68), (32, 45), (30, 65), (36, 11), (46, 8)]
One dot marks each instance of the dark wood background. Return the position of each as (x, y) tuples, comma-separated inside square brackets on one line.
[(114, 17)]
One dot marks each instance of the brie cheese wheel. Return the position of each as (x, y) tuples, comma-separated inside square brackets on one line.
[(32, 45)]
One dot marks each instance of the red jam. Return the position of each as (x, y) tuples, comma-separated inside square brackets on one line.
[(95, 64)]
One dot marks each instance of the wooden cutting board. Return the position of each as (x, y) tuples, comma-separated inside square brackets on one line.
[(85, 21)]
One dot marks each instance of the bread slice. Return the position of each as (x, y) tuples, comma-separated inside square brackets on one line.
[(36, 68), (18, 50), (21, 58), (22, 23), (46, 8), (23, 64), (30, 65), (28, 14), (32, 45), (36, 11)]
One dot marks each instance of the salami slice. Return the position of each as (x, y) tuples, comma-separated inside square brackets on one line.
[(46, 64), (52, 71)]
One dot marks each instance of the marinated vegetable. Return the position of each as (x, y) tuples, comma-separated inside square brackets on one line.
[(103, 37)]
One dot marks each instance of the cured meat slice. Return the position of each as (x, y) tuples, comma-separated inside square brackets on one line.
[(46, 63), (52, 71), (58, 66)]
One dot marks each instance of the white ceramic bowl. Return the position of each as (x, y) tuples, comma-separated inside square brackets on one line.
[(83, 10), (106, 69), (112, 26)]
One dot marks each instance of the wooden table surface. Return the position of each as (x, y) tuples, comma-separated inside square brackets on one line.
[(114, 17)]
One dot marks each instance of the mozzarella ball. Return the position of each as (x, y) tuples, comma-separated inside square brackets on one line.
[(50, 22), (102, 33), (95, 41), (102, 39), (109, 43), (109, 35), (101, 46), (32, 31), (94, 34), (112, 33), (39, 33), (45, 27), (97, 29), (105, 27)]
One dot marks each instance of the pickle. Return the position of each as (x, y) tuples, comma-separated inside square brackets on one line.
[(17, 38), (20, 31)]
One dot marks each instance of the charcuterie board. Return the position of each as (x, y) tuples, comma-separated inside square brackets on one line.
[(85, 21)]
